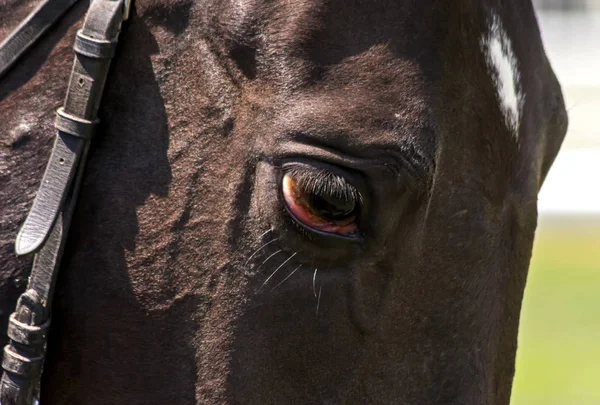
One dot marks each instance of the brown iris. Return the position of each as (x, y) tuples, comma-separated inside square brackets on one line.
[(321, 210)]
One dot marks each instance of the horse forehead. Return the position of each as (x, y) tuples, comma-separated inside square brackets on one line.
[(503, 67)]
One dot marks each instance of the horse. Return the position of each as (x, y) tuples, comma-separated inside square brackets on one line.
[(289, 202)]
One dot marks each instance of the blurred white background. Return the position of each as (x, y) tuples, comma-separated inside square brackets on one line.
[(571, 35)]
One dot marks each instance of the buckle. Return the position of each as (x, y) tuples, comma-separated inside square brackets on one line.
[(126, 8)]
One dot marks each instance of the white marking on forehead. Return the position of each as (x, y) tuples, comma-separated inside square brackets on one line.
[(502, 65)]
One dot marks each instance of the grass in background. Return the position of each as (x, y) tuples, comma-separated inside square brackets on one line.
[(558, 361)]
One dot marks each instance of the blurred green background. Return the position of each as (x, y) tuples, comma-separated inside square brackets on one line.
[(558, 360)]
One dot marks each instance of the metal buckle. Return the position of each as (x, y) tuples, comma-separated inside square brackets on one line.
[(126, 8)]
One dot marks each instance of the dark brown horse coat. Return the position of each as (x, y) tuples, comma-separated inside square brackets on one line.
[(445, 115)]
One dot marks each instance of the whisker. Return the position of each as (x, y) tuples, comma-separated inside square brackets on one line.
[(290, 275), (277, 269), (264, 233), (259, 249), (314, 281), (575, 104), (319, 299), (268, 258)]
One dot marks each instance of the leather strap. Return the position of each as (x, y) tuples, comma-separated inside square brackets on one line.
[(30, 30), (94, 48), (25, 334), (81, 104), (51, 195), (45, 229), (75, 126)]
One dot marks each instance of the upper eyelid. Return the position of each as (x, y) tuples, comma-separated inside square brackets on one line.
[(304, 165), (403, 159)]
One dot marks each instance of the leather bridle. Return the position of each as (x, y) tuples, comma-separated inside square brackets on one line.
[(44, 231)]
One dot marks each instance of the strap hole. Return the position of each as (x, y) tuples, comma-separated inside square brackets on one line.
[(61, 161), (81, 81)]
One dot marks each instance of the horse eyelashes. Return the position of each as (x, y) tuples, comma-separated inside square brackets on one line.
[(324, 183)]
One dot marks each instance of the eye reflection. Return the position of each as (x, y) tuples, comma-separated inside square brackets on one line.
[(324, 202)]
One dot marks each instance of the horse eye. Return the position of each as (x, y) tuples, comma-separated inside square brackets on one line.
[(322, 208)]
